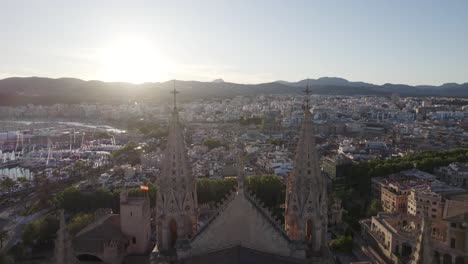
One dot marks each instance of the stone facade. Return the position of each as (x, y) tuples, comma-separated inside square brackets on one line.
[(394, 198), (112, 237), (419, 240), (423, 201), (456, 174), (135, 222)]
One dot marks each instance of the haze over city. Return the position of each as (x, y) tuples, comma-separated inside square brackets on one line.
[(410, 42)]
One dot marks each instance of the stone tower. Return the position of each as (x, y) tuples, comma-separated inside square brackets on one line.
[(176, 201), (135, 221), (306, 192)]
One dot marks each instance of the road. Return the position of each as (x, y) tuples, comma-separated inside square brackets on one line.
[(15, 224)]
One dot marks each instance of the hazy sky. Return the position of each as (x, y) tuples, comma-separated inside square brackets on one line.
[(407, 41)]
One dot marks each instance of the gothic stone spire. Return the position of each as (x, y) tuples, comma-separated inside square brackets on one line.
[(176, 201), (305, 212), (175, 92)]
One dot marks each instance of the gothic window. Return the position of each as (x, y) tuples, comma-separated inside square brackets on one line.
[(187, 208), (452, 242), (309, 209), (294, 208), (134, 240), (308, 172)]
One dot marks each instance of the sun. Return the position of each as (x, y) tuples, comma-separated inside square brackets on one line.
[(132, 59)]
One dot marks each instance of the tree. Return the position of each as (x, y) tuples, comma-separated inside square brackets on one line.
[(244, 121), (212, 143), (276, 141), (342, 243), (73, 200), (78, 167), (270, 190), (22, 179), (103, 134), (152, 191), (80, 221), (6, 259), (214, 190), (40, 229), (7, 184), (374, 208), (3, 236), (127, 154), (43, 186)]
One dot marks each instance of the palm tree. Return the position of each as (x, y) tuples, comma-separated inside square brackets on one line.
[(3, 236), (43, 187)]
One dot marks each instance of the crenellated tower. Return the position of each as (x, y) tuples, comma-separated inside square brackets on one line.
[(306, 191), (176, 200)]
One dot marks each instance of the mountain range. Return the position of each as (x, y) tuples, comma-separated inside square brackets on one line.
[(38, 90)]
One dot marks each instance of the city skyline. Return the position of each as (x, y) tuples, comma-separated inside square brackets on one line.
[(242, 42)]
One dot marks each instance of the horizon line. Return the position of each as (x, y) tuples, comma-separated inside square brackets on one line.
[(223, 81)]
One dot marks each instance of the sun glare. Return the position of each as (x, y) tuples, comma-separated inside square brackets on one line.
[(133, 60)]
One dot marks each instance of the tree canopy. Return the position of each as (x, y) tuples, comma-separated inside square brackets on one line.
[(74, 200), (356, 180), (127, 154), (212, 143)]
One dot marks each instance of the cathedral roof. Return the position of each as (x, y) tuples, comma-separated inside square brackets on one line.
[(243, 221), (92, 238), (242, 255)]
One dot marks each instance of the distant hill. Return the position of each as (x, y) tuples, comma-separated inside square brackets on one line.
[(37, 90), (327, 81)]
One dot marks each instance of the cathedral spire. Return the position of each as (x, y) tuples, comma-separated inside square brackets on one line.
[(176, 200), (174, 92), (305, 213), (307, 99)]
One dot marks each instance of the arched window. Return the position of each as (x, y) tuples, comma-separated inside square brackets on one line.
[(172, 233), (309, 229)]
